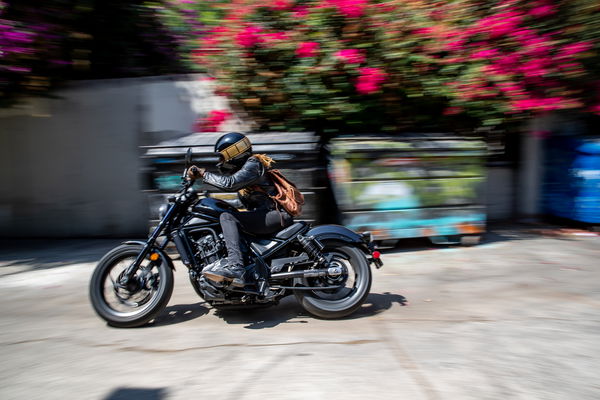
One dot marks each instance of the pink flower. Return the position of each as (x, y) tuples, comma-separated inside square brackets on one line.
[(350, 8), (509, 60), (455, 45), (575, 48), (423, 31), (482, 54), (307, 49), (539, 104), (300, 12), (542, 10), (212, 121), (351, 56), (453, 110), (249, 37), (369, 80), (273, 38), (281, 4), (534, 68)]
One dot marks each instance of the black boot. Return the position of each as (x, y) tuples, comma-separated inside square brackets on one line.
[(224, 271)]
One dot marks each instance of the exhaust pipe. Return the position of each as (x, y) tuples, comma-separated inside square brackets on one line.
[(308, 273)]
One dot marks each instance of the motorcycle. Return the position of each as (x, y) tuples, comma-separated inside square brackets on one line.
[(326, 267)]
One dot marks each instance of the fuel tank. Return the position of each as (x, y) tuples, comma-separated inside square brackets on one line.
[(212, 207)]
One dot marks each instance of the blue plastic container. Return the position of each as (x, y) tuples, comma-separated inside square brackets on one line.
[(572, 184)]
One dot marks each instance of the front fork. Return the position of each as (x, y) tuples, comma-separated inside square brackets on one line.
[(130, 271)]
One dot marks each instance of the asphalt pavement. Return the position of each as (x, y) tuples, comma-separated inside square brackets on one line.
[(516, 317)]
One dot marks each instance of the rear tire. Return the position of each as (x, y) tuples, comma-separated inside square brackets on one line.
[(330, 304), (123, 308)]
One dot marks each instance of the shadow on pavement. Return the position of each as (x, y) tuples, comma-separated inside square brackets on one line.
[(137, 394), (266, 317), (289, 310), (378, 303), (180, 313)]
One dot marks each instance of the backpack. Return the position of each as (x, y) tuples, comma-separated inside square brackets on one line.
[(288, 196)]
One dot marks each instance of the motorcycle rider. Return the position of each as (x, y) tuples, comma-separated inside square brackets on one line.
[(241, 171)]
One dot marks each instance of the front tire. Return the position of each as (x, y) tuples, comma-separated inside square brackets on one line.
[(143, 299), (356, 282)]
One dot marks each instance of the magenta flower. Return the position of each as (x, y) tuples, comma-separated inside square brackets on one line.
[(483, 54), (249, 37), (423, 31), (273, 38), (350, 8), (307, 49), (212, 121), (453, 110), (534, 68), (282, 4), (369, 80), (542, 10), (455, 45), (350, 56), (575, 48)]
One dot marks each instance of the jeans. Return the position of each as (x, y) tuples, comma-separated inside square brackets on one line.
[(261, 222)]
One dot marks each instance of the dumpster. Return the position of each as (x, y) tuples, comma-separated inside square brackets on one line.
[(415, 186), (297, 155), (572, 178)]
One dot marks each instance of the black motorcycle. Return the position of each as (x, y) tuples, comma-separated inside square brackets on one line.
[(327, 267)]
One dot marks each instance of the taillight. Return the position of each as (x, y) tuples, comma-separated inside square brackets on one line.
[(376, 254)]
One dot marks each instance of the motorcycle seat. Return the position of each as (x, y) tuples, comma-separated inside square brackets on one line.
[(290, 231)]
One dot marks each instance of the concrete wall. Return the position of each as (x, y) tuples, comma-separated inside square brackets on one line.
[(70, 166), (500, 192)]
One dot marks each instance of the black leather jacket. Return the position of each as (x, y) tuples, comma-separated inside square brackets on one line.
[(252, 173)]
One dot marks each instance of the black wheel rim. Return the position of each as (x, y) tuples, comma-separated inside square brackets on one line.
[(138, 295)]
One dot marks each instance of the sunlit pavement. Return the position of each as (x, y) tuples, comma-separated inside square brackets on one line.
[(517, 317)]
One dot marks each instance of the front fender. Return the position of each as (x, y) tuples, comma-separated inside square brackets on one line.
[(161, 253)]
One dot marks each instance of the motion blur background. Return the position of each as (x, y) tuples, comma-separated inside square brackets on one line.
[(407, 118)]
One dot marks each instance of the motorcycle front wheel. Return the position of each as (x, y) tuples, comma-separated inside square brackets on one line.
[(352, 285), (138, 302)]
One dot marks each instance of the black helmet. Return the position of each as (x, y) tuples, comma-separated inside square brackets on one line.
[(233, 150)]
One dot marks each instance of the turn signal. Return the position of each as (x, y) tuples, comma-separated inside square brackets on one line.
[(154, 256), (376, 254)]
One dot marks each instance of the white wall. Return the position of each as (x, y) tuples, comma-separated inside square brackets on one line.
[(69, 166)]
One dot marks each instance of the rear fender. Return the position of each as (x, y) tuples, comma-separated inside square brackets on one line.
[(337, 232), (343, 234), (161, 253)]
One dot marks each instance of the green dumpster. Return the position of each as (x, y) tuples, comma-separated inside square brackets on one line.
[(404, 187)]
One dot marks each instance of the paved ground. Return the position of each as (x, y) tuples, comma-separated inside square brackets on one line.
[(517, 317)]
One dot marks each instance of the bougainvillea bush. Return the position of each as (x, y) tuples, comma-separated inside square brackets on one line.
[(368, 65)]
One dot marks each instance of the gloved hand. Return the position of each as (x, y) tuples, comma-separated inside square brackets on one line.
[(194, 172)]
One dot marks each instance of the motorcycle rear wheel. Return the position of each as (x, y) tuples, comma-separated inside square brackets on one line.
[(355, 282), (137, 304)]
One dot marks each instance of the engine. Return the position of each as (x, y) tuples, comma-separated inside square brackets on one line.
[(209, 247)]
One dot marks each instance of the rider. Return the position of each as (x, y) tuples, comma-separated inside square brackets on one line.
[(246, 173)]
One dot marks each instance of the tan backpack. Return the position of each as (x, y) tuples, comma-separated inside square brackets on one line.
[(288, 196)]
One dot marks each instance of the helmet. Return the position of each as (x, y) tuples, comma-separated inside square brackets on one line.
[(233, 150)]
